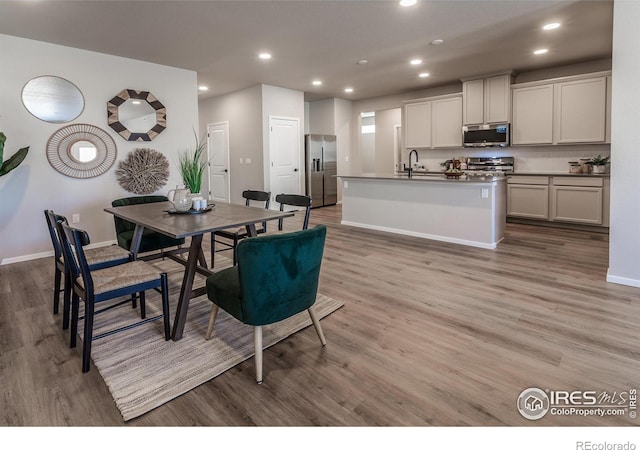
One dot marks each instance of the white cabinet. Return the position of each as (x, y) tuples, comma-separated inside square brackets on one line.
[(487, 100), (565, 111), (434, 123), (528, 197), (417, 117), (446, 122), (532, 115), (581, 111), (577, 200)]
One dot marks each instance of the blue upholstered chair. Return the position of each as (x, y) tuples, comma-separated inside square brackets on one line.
[(151, 240), (276, 277)]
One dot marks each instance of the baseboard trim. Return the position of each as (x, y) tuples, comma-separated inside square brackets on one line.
[(433, 237), (17, 259), (622, 280)]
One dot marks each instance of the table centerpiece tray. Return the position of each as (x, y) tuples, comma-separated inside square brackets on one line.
[(190, 211)]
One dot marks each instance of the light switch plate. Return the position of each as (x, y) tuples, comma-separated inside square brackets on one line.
[(485, 193)]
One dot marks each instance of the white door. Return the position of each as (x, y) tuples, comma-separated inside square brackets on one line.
[(284, 149), (218, 148)]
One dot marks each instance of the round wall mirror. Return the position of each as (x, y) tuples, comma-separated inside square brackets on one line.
[(52, 99), (136, 115), (81, 151)]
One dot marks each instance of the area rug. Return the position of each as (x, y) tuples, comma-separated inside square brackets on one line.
[(143, 371)]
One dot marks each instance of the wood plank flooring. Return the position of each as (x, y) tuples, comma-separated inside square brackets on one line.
[(431, 334)]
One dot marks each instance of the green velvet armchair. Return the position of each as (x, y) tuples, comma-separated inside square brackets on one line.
[(276, 278), (151, 240)]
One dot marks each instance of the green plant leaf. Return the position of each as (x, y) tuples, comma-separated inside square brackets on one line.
[(14, 161), (3, 138), (192, 165)]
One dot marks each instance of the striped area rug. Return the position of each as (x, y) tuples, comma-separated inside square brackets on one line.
[(143, 371)]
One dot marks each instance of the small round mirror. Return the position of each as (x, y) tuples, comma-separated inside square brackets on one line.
[(83, 151), (52, 99)]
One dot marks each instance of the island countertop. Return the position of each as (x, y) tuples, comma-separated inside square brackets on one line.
[(428, 177)]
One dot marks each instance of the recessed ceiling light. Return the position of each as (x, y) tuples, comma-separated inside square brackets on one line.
[(540, 51), (362, 61), (348, 90), (415, 62), (264, 56), (407, 2), (551, 26), (203, 88), (436, 42), (424, 75), (316, 82)]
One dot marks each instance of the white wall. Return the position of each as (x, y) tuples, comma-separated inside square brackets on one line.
[(386, 121), (321, 116), (243, 111), (35, 185), (624, 248)]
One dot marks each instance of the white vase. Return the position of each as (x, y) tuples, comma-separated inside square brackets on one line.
[(599, 169)]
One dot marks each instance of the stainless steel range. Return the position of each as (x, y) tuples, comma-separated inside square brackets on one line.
[(490, 165)]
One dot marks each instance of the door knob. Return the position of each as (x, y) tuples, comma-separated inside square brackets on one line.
[(295, 170), (226, 170)]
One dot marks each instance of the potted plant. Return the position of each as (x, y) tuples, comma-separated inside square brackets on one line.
[(192, 164), (599, 163), (13, 162)]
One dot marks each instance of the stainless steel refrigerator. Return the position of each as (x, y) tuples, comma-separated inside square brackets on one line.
[(320, 167)]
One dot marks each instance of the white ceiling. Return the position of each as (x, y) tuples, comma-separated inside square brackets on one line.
[(323, 39)]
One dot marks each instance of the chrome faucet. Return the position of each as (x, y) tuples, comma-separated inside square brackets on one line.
[(410, 169)]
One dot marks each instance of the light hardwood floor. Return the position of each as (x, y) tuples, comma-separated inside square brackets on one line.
[(431, 334)]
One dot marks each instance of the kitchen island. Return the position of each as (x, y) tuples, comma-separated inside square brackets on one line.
[(470, 210)]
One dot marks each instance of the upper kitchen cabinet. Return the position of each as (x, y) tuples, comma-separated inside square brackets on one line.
[(487, 100), (532, 115), (581, 111), (434, 123), (571, 110)]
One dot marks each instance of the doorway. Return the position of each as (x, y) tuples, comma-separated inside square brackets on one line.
[(284, 151), (218, 158)]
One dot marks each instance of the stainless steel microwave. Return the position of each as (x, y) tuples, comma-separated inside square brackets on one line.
[(494, 135)]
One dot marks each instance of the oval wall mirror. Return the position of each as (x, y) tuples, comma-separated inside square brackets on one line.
[(136, 115), (81, 151), (52, 99)]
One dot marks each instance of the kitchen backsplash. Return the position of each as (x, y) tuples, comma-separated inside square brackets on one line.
[(527, 159)]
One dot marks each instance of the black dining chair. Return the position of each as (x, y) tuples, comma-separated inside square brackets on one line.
[(151, 240), (97, 258), (100, 285), (297, 201), (276, 278), (232, 237)]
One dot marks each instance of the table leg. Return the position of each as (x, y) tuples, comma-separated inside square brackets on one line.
[(187, 285), (136, 240), (251, 230)]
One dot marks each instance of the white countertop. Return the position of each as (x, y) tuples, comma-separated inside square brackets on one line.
[(428, 177)]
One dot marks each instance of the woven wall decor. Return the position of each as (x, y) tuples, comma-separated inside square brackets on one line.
[(144, 171), (59, 151)]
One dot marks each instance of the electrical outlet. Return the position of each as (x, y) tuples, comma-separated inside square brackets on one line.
[(485, 193), (345, 184), (346, 158), (75, 218)]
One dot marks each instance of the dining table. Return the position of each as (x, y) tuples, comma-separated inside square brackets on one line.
[(163, 218)]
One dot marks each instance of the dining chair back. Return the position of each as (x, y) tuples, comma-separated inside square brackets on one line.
[(276, 278), (296, 200), (151, 240), (232, 237), (97, 258), (94, 286)]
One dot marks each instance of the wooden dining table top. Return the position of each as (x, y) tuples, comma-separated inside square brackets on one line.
[(155, 216)]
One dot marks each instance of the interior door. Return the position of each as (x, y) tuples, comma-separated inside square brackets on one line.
[(284, 149), (218, 156)]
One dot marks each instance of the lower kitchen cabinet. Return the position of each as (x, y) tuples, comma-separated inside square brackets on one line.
[(577, 200), (528, 197)]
